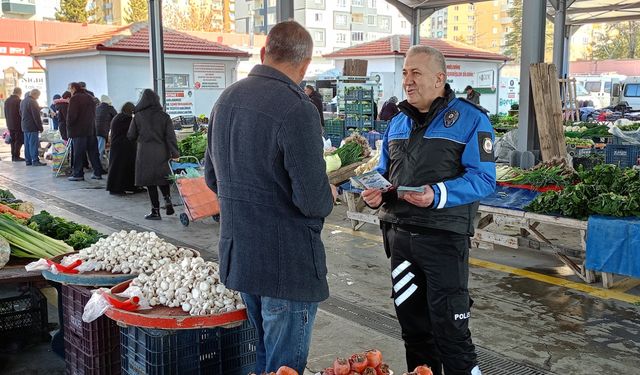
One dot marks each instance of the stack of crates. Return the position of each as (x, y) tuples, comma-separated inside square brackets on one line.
[(220, 351), (334, 130), (89, 348)]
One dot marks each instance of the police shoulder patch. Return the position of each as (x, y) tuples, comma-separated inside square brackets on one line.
[(485, 145), (450, 118)]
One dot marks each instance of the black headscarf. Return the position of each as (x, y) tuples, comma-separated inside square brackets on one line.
[(149, 99)]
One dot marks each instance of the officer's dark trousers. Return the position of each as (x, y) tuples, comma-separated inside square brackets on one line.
[(430, 272)]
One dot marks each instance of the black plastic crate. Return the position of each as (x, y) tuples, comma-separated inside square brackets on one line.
[(218, 351), (24, 314), (621, 155), (90, 348)]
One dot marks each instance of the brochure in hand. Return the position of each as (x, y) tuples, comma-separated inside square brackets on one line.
[(371, 180)]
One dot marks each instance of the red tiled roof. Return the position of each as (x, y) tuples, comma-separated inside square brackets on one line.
[(135, 38), (397, 45)]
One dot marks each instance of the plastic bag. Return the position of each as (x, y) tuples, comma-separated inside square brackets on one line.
[(98, 303), (39, 265), (5, 251), (327, 143), (504, 145)]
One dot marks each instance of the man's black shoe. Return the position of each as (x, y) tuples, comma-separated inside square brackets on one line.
[(98, 177), (38, 164), (17, 159), (73, 178)]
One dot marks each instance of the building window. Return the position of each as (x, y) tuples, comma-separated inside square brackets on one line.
[(357, 36), (341, 19), (176, 81), (456, 7), (403, 24), (385, 24), (341, 38), (371, 20), (495, 30), (455, 28), (470, 6), (318, 17), (470, 28), (455, 18), (470, 18), (357, 18), (373, 4), (494, 44), (318, 36), (357, 3), (342, 3), (495, 16), (439, 34)]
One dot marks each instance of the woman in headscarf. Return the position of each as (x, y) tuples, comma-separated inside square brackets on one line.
[(153, 130), (389, 109), (122, 157), (104, 114)]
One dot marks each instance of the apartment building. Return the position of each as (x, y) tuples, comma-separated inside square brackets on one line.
[(35, 10), (333, 24), (457, 23), (493, 23)]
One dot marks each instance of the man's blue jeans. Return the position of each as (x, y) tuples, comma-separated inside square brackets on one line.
[(284, 331), (31, 143), (102, 142)]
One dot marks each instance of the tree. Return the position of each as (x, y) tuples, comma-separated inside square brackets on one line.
[(137, 11), (72, 11), (619, 41), (513, 39), (199, 16)]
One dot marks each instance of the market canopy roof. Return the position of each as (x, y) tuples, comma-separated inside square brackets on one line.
[(578, 12), (135, 38), (397, 45)]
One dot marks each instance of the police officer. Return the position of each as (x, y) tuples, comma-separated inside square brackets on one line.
[(444, 146)]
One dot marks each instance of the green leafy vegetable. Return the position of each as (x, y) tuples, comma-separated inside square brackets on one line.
[(350, 153), (194, 145), (77, 235)]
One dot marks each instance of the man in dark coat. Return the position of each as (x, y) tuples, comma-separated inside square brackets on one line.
[(472, 95), (81, 118), (62, 107), (31, 124), (316, 99), (104, 114), (389, 109), (157, 145), (264, 160), (12, 114)]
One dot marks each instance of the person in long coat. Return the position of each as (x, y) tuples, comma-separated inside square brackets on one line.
[(153, 130), (122, 157)]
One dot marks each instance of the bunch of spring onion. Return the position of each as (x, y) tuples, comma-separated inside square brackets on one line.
[(27, 243)]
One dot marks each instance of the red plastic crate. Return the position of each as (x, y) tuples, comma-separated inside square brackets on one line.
[(90, 348)]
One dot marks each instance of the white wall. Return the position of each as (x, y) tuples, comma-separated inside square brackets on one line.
[(90, 69)]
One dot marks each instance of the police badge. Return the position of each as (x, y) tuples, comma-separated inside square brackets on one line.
[(450, 118)]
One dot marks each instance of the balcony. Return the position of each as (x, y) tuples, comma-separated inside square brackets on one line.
[(22, 7)]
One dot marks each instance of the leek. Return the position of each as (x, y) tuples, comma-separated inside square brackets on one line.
[(27, 243)]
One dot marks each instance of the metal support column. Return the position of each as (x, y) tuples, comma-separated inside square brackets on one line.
[(284, 10), (415, 27), (532, 52), (156, 50), (559, 36)]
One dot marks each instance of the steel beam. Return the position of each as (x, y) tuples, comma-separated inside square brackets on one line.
[(559, 33), (532, 51), (156, 50)]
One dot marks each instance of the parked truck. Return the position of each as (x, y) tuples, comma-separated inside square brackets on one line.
[(626, 94)]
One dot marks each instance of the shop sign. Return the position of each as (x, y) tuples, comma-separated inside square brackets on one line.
[(209, 76), (179, 102)]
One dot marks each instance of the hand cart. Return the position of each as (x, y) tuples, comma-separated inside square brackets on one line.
[(198, 200)]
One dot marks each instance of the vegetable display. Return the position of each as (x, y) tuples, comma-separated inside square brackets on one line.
[(194, 145), (369, 362), (191, 284), (355, 148), (579, 142), (5, 251), (27, 243), (605, 190), (75, 235), (554, 172), (131, 252)]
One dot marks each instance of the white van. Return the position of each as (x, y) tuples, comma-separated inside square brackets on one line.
[(627, 92), (599, 88)]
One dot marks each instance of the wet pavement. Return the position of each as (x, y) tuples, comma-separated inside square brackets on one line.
[(559, 329)]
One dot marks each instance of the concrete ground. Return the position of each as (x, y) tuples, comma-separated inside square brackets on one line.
[(528, 309)]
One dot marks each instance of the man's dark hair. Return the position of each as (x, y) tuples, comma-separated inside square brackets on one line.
[(83, 84), (311, 88), (128, 108), (66, 95), (289, 42), (76, 86), (468, 88)]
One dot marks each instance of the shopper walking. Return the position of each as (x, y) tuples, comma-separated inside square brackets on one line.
[(316, 99), (31, 124), (472, 95), (264, 160), (53, 113), (14, 123), (81, 117), (62, 107), (122, 157), (104, 114), (445, 146), (156, 146)]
